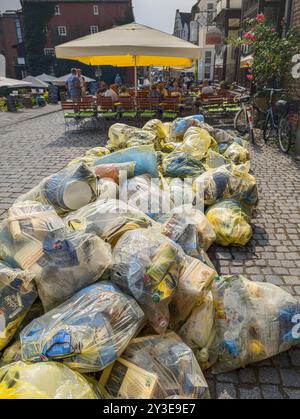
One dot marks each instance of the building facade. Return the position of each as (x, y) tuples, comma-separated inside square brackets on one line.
[(12, 43), (228, 20), (28, 37), (182, 25), (199, 28)]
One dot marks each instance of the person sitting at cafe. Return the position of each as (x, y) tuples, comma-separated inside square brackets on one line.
[(207, 89), (112, 92), (162, 91), (154, 92), (124, 92), (176, 91)]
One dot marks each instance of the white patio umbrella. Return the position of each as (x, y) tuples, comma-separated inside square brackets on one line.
[(131, 45), (61, 81), (5, 82), (36, 82), (45, 78)]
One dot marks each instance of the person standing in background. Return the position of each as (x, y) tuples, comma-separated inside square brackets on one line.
[(118, 80), (73, 86), (82, 82)]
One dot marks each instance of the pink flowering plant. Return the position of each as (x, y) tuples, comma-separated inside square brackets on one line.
[(271, 51)]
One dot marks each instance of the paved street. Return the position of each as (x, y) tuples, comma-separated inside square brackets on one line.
[(37, 148)]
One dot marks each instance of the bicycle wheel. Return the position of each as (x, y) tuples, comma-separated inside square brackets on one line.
[(268, 130), (285, 135), (241, 123)]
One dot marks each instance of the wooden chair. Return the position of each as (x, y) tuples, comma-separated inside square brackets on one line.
[(127, 108), (170, 107), (143, 94), (106, 108), (145, 108), (76, 113)]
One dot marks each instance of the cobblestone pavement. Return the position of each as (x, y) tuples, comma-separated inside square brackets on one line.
[(8, 119), (34, 149)]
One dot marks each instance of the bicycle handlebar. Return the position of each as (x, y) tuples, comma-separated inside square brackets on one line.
[(267, 89)]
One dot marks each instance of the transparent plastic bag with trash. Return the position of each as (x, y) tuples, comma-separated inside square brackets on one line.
[(231, 223), (196, 142), (147, 265), (146, 194), (156, 126), (141, 137), (237, 154), (182, 165), (156, 367), (213, 160), (43, 381), (17, 294), (67, 190), (190, 228), (181, 125), (11, 354), (118, 135), (87, 333), (68, 265), (115, 171), (254, 321), (22, 234), (108, 219), (193, 286), (227, 182), (144, 157)]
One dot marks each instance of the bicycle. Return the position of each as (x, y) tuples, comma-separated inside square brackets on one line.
[(247, 117), (277, 124)]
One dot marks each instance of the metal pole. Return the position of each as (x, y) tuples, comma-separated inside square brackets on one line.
[(135, 77)]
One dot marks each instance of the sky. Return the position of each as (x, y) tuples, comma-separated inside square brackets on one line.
[(159, 14)]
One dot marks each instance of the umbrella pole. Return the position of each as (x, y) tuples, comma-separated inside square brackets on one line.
[(135, 77)]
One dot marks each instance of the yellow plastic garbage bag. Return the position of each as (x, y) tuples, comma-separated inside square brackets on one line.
[(69, 265), (88, 332), (11, 354), (189, 227), (230, 222), (227, 182), (147, 265), (98, 152), (43, 381), (118, 136), (197, 331), (17, 294), (108, 219), (156, 126), (237, 153), (196, 142), (193, 286), (156, 367), (254, 321), (214, 160)]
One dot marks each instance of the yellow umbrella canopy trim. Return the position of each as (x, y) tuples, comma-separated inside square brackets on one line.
[(130, 61)]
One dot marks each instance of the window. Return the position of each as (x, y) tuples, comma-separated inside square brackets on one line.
[(208, 61), (96, 10), (57, 11), (19, 31), (94, 29), (49, 51), (62, 31)]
